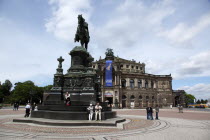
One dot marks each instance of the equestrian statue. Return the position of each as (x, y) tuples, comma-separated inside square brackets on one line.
[(82, 33)]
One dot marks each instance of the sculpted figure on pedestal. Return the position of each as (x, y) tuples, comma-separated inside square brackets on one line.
[(82, 33)]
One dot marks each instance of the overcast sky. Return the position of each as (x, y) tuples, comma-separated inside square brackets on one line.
[(169, 36)]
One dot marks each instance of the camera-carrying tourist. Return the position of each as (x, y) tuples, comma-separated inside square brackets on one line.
[(98, 109), (90, 111), (28, 109)]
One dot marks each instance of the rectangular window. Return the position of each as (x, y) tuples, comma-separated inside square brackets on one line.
[(127, 66), (137, 67)]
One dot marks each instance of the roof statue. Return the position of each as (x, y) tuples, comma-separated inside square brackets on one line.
[(109, 52), (82, 33)]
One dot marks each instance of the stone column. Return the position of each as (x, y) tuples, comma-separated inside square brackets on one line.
[(118, 78), (102, 96), (143, 83), (142, 102), (149, 83), (102, 80), (120, 83), (154, 84), (136, 83), (127, 82), (115, 80), (113, 99)]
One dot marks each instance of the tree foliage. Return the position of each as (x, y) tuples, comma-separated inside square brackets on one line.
[(22, 93), (189, 98), (5, 90), (202, 101), (27, 91), (198, 101)]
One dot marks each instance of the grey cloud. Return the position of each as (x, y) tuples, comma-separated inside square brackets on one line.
[(191, 71), (199, 90)]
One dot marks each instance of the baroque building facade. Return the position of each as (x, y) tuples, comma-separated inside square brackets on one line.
[(132, 87)]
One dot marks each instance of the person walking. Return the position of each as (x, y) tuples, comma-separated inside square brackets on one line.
[(28, 108), (181, 109), (90, 109), (17, 106), (98, 109), (147, 110), (151, 113), (14, 107), (157, 111)]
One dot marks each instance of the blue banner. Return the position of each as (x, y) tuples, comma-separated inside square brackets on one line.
[(108, 79)]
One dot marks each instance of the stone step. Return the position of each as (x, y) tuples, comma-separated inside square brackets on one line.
[(69, 115), (69, 108)]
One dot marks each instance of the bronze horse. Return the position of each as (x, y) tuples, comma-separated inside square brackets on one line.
[(82, 33)]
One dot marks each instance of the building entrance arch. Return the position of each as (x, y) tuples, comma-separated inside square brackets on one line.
[(177, 101), (124, 101)]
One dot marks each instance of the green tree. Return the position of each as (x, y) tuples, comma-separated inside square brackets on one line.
[(22, 91), (37, 94), (189, 98), (198, 102), (7, 86), (27, 91), (5, 90), (202, 101), (206, 101)]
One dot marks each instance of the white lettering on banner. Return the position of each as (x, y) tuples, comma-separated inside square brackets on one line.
[(108, 81)]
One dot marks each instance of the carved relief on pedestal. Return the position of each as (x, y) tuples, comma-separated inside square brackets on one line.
[(57, 81), (88, 82)]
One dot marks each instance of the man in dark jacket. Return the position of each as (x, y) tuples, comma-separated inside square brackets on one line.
[(151, 113), (147, 110), (157, 111)]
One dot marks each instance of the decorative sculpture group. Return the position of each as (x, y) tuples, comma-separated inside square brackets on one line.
[(80, 82)]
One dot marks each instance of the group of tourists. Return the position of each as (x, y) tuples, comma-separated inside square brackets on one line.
[(149, 111), (15, 106), (97, 109), (28, 109)]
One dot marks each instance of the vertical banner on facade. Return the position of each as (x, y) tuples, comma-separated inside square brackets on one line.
[(108, 75)]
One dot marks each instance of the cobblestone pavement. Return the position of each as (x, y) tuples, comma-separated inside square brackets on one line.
[(136, 127), (169, 113)]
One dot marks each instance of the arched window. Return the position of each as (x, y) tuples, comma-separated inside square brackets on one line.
[(146, 84), (124, 97), (152, 84), (132, 83), (123, 83), (140, 97), (132, 97), (139, 84), (147, 98)]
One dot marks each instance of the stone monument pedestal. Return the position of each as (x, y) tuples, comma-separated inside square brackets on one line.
[(81, 83)]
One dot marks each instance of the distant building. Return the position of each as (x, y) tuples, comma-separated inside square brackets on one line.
[(132, 87)]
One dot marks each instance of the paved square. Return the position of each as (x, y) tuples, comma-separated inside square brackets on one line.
[(192, 125)]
